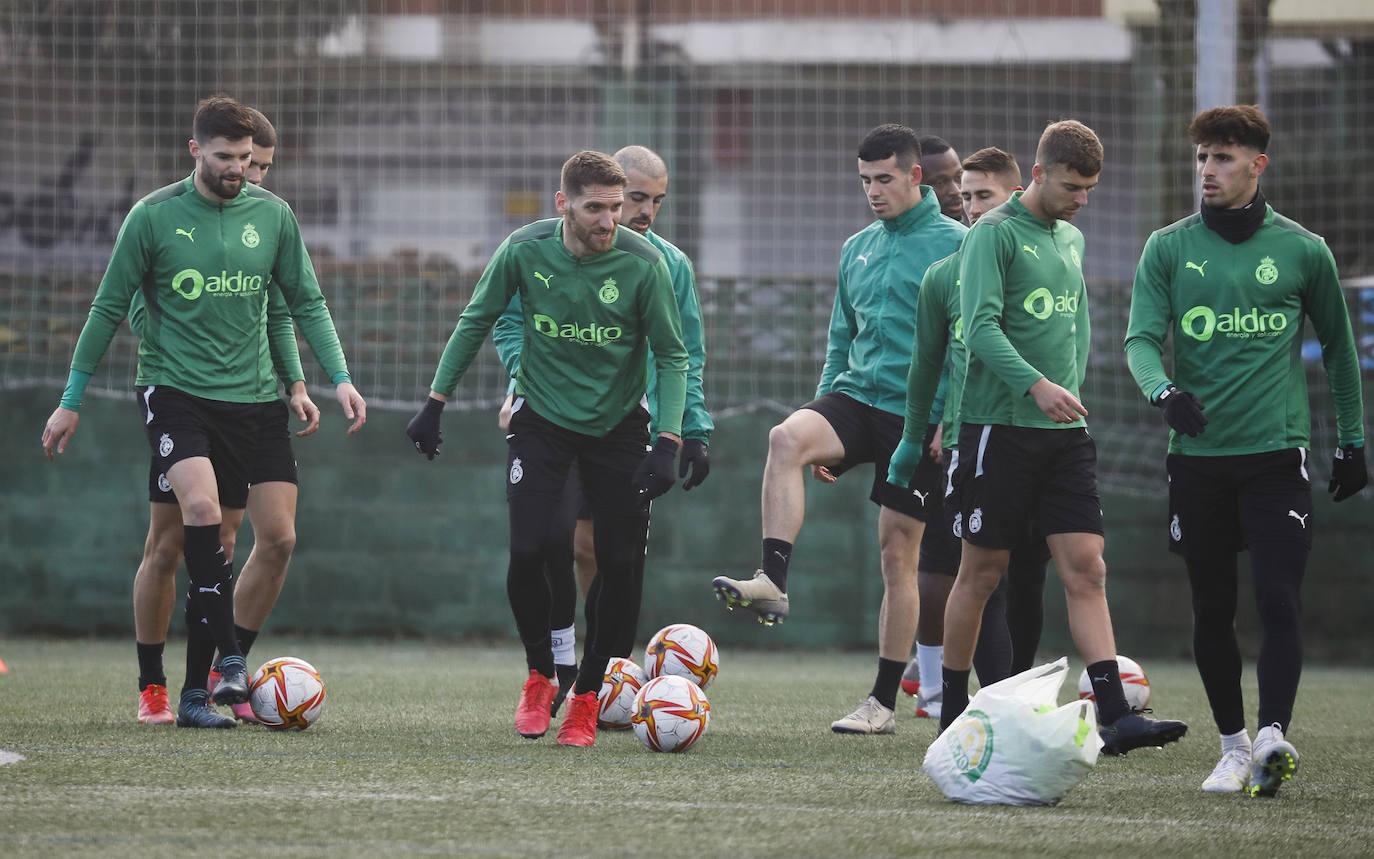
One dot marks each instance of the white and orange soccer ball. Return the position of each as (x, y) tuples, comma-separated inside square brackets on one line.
[(1133, 683), (287, 694), (615, 703), (671, 714), (683, 650)]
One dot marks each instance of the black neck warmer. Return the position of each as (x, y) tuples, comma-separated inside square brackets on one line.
[(1236, 225)]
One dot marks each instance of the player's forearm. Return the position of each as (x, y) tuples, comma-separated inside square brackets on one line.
[(1146, 364)]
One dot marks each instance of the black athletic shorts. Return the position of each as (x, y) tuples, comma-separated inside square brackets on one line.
[(869, 435), (941, 548), (245, 442), (1018, 484), (1230, 503), (540, 454)]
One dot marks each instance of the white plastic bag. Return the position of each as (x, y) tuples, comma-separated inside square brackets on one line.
[(1014, 745)]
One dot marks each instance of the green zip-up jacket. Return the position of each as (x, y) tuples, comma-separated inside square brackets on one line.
[(588, 325), (940, 359), (1025, 311), (873, 323), (202, 272), (1236, 315), (509, 335)]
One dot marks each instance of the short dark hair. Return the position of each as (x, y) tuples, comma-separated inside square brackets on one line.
[(221, 116), (994, 162), (932, 145), (887, 141), (1241, 124), (264, 133), (589, 168), (1072, 144)]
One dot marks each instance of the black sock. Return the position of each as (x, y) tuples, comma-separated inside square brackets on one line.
[(889, 676), (211, 585), (150, 671), (776, 554), (246, 638), (1111, 698), (200, 647), (954, 696), (567, 675)]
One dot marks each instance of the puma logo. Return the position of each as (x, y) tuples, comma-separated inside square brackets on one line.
[(1197, 268), (214, 590), (544, 280), (862, 258), (189, 235), (1302, 520), (1033, 251), (1102, 679), (921, 495)]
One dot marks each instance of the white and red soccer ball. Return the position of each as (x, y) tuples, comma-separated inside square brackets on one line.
[(615, 703), (287, 694), (683, 650), (671, 714), (1133, 683)]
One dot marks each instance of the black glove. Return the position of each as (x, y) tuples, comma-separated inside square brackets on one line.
[(695, 458), (1182, 410), (1348, 474), (655, 473), (423, 429)]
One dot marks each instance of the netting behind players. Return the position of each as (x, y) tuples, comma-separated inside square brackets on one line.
[(416, 135)]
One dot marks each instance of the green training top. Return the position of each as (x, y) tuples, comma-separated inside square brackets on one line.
[(509, 334), (202, 271), (873, 322), (939, 357), (588, 323), (1236, 315), (1025, 311)]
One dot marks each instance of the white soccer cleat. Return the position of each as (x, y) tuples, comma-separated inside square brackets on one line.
[(1230, 774), (758, 594), (1273, 760), (871, 718)]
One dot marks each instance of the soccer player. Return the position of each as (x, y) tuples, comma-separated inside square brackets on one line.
[(940, 170), (646, 187), (595, 298), (857, 414), (1028, 465), (987, 179), (207, 392), (1232, 285), (271, 504)]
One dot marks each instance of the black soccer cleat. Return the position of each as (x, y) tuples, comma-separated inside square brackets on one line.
[(194, 711), (1135, 730), (232, 687)]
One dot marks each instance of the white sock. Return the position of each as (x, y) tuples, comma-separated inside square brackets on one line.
[(564, 653), (1239, 740), (928, 659)]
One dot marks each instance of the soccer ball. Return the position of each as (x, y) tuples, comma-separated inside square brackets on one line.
[(615, 703), (671, 713), (1133, 683), (684, 650), (287, 694)]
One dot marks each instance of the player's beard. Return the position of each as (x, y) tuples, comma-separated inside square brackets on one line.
[(220, 186), (590, 239)]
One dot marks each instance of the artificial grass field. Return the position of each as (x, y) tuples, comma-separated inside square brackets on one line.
[(417, 754)]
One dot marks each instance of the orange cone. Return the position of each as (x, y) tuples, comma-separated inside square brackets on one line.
[(3, 668)]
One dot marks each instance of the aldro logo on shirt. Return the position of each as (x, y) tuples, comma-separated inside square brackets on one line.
[(1202, 323), (189, 283), (585, 333), (1042, 304)]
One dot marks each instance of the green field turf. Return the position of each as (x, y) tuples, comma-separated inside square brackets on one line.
[(417, 755)]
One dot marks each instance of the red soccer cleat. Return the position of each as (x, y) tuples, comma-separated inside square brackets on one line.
[(153, 706), (536, 698), (579, 723)]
